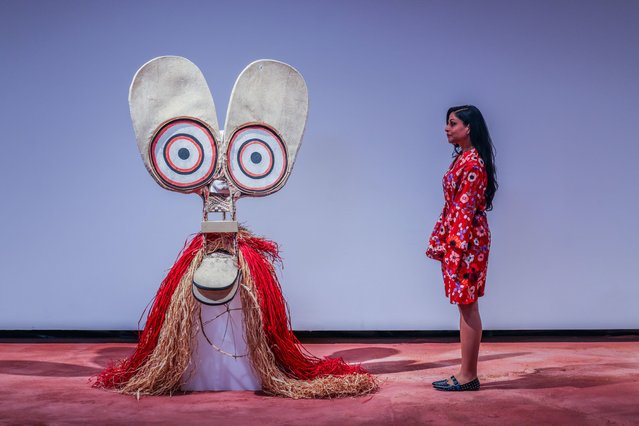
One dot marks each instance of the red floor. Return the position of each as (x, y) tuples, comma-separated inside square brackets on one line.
[(523, 383)]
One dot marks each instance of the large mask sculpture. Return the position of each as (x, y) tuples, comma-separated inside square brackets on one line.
[(218, 320)]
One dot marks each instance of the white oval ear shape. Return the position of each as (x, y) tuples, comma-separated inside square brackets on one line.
[(264, 126), (175, 123)]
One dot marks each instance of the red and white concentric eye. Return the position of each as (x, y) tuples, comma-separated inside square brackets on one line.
[(257, 159), (184, 154)]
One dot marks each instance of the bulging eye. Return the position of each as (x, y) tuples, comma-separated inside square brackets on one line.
[(257, 159), (184, 154)]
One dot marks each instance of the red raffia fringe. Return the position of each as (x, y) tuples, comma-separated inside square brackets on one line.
[(118, 375), (260, 255)]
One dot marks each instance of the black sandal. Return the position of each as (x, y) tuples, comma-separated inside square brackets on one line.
[(473, 385)]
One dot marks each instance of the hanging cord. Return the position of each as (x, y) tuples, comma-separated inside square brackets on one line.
[(226, 312)]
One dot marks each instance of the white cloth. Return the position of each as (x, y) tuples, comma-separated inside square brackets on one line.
[(211, 370)]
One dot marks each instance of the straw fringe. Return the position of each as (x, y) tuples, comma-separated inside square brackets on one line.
[(162, 372), (274, 380)]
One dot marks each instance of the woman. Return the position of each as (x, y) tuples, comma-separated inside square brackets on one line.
[(461, 238)]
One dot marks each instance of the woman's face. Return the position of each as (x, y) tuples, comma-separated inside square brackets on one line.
[(457, 132)]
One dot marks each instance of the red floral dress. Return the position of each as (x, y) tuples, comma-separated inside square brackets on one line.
[(461, 238)]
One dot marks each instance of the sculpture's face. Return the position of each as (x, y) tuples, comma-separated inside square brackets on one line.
[(180, 141), (184, 150)]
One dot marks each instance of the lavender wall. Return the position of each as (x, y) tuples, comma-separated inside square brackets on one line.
[(87, 235)]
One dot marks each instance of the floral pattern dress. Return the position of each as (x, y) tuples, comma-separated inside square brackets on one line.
[(461, 237)]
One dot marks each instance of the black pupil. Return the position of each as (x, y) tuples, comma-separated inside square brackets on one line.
[(256, 157), (183, 153)]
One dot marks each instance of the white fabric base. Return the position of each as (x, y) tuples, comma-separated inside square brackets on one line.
[(211, 370)]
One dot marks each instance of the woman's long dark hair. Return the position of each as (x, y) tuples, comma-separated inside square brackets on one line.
[(480, 139)]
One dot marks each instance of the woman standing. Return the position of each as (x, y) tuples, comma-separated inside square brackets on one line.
[(461, 238)]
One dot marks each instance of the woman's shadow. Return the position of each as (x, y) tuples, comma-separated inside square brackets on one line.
[(365, 355)]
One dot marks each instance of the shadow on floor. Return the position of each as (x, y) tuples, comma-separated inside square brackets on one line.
[(45, 369), (569, 376), (362, 355), (112, 354)]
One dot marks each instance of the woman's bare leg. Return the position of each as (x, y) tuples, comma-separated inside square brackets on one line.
[(470, 330)]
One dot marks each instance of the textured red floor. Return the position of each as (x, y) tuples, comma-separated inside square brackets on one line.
[(523, 383)]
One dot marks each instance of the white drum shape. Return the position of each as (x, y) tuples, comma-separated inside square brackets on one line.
[(184, 154), (212, 370), (257, 159)]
